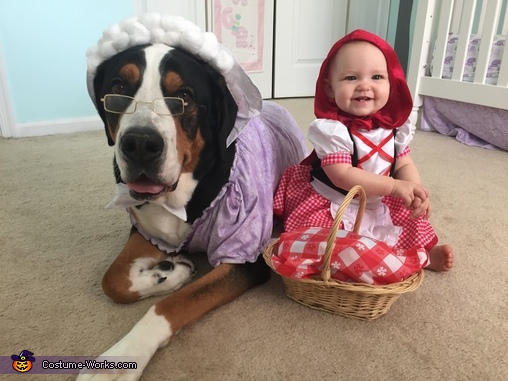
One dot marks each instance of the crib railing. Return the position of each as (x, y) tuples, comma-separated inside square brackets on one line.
[(434, 21)]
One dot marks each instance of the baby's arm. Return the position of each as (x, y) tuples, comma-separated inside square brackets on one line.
[(405, 169)]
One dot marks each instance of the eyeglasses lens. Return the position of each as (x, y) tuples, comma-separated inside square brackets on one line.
[(120, 104)]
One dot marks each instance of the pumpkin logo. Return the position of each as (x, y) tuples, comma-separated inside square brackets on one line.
[(23, 362)]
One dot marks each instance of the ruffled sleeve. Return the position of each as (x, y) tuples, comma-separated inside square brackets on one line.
[(402, 139), (329, 137)]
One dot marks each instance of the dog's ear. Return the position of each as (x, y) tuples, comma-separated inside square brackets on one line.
[(226, 116), (98, 82)]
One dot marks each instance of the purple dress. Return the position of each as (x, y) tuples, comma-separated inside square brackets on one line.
[(238, 223)]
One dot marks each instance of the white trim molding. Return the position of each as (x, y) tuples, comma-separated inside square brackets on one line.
[(7, 121), (61, 126)]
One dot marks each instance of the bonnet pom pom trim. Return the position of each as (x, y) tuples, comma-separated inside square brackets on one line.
[(150, 20), (153, 28)]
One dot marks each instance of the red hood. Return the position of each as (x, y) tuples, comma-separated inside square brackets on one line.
[(398, 108)]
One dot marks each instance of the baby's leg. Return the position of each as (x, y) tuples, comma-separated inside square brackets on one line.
[(441, 258)]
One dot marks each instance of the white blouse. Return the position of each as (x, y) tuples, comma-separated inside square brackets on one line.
[(331, 136)]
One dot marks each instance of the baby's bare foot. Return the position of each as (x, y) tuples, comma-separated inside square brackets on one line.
[(441, 258)]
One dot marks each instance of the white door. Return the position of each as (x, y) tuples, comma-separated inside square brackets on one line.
[(306, 30), (244, 27)]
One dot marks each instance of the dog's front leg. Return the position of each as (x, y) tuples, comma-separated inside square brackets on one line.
[(218, 287), (138, 346), (142, 270)]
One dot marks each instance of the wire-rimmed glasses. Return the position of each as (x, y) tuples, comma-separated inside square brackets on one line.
[(123, 104)]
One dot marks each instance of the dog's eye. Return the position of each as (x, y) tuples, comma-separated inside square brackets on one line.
[(185, 95), (117, 88)]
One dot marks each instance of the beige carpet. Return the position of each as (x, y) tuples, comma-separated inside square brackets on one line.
[(56, 241)]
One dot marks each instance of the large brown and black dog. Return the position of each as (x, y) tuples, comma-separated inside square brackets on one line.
[(198, 156)]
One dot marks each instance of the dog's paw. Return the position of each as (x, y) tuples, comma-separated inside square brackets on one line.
[(165, 277), (175, 270), (125, 361), (116, 369), (128, 358)]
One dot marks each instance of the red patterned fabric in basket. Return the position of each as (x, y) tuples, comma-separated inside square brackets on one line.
[(354, 258)]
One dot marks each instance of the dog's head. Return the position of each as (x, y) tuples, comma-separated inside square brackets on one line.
[(175, 120), (168, 111)]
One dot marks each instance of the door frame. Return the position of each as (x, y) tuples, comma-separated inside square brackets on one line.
[(203, 15), (139, 6)]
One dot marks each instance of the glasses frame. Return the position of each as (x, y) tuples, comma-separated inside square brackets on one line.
[(136, 102)]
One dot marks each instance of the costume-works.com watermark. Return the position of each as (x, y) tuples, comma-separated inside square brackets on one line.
[(27, 362), (89, 364)]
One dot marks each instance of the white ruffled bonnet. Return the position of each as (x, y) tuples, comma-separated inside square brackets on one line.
[(175, 31)]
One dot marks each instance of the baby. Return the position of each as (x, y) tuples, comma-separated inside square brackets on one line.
[(361, 137)]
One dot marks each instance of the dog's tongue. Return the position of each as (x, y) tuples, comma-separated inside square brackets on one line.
[(146, 186)]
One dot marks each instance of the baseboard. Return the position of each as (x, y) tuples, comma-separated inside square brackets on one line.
[(64, 126)]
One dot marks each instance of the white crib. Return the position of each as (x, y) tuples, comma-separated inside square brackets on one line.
[(444, 73)]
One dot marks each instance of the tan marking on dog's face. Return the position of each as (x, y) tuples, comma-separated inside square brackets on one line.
[(188, 151), (130, 73), (172, 82), (113, 128)]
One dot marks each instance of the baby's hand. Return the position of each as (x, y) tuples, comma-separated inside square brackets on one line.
[(408, 192), (420, 208)]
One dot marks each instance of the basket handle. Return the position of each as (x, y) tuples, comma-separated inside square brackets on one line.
[(330, 243)]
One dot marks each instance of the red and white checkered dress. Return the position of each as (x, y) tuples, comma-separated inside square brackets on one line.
[(298, 204)]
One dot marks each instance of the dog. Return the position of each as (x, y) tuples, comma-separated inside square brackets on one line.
[(197, 158)]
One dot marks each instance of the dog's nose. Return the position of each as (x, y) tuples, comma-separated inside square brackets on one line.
[(142, 146)]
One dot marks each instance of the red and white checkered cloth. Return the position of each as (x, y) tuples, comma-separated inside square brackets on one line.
[(354, 258)]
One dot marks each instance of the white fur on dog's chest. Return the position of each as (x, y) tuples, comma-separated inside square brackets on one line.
[(156, 221)]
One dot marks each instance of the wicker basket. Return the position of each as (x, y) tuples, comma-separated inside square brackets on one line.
[(354, 300)]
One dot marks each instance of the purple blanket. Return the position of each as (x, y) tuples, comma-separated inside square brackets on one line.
[(474, 125)]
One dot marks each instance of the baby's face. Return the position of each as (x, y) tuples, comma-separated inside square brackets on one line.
[(358, 79)]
